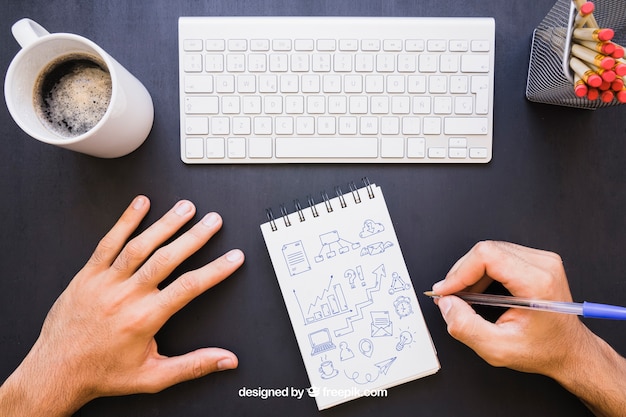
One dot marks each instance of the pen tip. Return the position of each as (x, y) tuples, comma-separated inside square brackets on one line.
[(430, 294)]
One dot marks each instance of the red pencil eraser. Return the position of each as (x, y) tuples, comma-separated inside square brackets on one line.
[(604, 86), (593, 94), (617, 85), (607, 63), (594, 80), (580, 90), (618, 52), (606, 34), (587, 8), (620, 69), (607, 96), (609, 76), (621, 96), (608, 48)]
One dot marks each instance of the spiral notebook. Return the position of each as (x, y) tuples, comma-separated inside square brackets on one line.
[(349, 297)]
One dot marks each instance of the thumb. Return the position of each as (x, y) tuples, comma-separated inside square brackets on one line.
[(468, 327), (173, 370)]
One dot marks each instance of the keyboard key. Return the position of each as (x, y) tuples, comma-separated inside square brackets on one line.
[(466, 125), (198, 84), (193, 63), (194, 148), (304, 44), (416, 147), (215, 45), (197, 126), (236, 147), (215, 148), (348, 45), (260, 147), (237, 45), (260, 45), (475, 63), (478, 153), (193, 45), (392, 148), (201, 105), (480, 45), (331, 147), (437, 153)]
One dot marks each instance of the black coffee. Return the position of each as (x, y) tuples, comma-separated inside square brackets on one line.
[(72, 94)]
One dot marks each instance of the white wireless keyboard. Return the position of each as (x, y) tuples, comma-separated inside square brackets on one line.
[(336, 89)]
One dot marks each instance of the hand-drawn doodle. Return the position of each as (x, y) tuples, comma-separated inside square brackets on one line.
[(327, 369), (345, 352), (403, 306), (371, 228), (366, 347), (381, 325), (353, 274), (383, 368), (295, 257), (331, 242), (405, 339), (331, 302), (376, 248), (398, 284), (358, 315), (321, 342)]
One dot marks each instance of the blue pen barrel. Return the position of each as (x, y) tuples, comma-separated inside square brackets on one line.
[(603, 311)]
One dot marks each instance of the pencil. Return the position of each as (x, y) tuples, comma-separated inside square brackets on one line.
[(580, 87), (584, 72), (606, 48), (591, 20), (584, 14), (593, 34)]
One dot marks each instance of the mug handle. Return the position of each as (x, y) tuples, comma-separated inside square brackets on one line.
[(26, 31)]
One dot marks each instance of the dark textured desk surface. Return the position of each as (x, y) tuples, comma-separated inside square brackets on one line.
[(557, 181)]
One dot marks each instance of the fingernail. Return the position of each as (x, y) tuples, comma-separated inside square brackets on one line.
[(183, 207), (445, 304), (234, 255), (210, 219), (437, 286), (226, 363), (139, 202)]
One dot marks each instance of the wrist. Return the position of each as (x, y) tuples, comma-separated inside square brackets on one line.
[(595, 373), (41, 386)]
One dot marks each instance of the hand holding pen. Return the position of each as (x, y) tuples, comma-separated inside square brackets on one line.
[(556, 345)]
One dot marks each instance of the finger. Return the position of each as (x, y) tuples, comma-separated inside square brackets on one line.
[(513, 265), (166, 259), (193, 283), (112, 243), (169, 371), (140, 247), (468, 327)]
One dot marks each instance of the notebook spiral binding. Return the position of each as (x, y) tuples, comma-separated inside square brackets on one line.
[(312, 205)]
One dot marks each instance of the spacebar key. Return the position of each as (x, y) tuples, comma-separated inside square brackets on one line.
[(330, 147)]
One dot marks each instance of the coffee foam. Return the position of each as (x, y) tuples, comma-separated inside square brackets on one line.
[(78, 100)]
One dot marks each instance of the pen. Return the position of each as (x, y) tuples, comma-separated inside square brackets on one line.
[(586, 309)]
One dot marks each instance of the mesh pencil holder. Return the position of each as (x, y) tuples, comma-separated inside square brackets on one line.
[(550, 80)]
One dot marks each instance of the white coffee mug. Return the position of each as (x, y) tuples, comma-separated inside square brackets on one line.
[(127, 120)]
